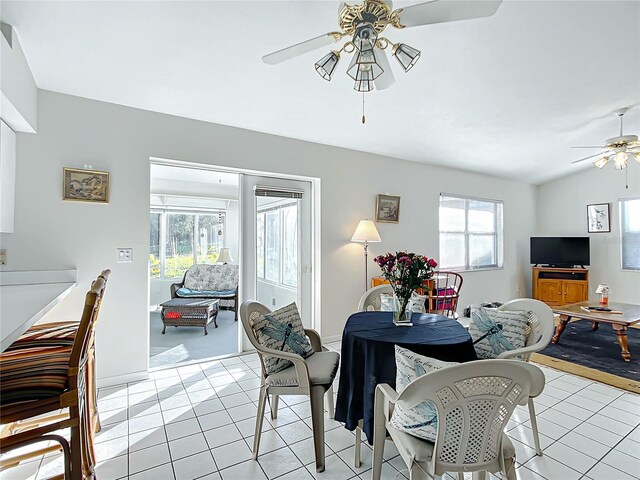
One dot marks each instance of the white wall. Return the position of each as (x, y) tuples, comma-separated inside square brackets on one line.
[(51, 234), (562, 211), (18, 89)]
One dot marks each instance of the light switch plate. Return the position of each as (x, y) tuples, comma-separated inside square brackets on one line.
[(125, 255), (3, 257)]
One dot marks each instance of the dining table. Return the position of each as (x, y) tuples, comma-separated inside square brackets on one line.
[(368, 357)]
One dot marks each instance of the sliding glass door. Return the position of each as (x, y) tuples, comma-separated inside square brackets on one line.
[(277, 243)]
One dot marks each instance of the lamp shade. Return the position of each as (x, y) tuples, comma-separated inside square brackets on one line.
[(225, 256), (603, 288), (366, 233)]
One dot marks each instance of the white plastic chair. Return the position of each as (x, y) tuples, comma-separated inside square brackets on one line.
[(312, 376), (474, 402), (370, 300), (542, 328)]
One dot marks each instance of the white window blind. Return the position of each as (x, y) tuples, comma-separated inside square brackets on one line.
[(630, 233), (470, 233)]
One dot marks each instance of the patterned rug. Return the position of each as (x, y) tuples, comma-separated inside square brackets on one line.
[(595, 355)]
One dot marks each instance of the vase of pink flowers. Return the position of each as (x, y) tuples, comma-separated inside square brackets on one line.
[(406, 272)]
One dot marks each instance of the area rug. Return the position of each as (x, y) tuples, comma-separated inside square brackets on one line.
[(595, 355)]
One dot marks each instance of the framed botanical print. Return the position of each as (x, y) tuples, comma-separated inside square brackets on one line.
[(387, 208), (85, 185), (598, 216)]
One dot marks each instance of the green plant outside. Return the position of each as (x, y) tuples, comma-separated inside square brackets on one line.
[(176, 266)]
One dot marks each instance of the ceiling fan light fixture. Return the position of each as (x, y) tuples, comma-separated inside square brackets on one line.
[(620, 160), (601, 162), (365, 66), (363, 85), (407, 56), (327, 65)]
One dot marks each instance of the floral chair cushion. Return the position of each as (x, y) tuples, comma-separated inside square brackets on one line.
[(281, 330), (420, 421), (211, 277), (496, 331)]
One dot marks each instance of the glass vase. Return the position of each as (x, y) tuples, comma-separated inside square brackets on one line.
[(401, 315)]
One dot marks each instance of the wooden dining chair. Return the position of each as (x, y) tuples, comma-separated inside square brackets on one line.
[(444, 291), (44, 380), (312, 376), (473, 403), (59, 334)]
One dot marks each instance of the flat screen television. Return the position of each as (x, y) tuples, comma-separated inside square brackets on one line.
[(560, 251)]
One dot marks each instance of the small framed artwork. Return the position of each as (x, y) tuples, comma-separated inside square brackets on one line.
[(387, 208), (598, 218), (85, 185)]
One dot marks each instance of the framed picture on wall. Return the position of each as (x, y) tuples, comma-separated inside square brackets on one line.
[(598, 218), (85, 185), (387, 208)]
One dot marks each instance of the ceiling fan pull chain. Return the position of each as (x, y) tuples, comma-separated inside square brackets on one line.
[(363, 117), (626, 179)]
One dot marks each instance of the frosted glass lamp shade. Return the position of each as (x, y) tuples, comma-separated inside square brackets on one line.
[(601, 162), (225, 256), (366, 233), (620, 160), (603, 288)]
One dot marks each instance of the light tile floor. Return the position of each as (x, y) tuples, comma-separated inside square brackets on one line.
[(197, 422)]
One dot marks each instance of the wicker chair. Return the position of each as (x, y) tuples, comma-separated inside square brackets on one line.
[(311, 376), (542, 327), (474, 402), (54, 379), (58, 334)]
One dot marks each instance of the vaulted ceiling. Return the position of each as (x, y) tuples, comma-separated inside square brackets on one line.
[(506, 95)]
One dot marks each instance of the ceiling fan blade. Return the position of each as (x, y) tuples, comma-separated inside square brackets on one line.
[(301, 48), (590, 156), (439, 11), (386, 79)]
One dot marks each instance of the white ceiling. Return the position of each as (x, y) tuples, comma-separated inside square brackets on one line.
[(506, 95)]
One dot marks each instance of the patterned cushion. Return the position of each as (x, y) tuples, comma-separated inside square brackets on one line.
[(29, 374), (420, 421), (211, 277), (47, 334), (282, 330), (494, 331), (188, 293)]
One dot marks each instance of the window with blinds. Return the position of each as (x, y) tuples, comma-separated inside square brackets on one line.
[(470, 233), (630, 233)]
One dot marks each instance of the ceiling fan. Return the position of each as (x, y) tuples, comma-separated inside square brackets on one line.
[(363, 24), (617, 148)]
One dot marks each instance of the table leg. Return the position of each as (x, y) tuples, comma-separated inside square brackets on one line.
[(621, 335), (595, 325), (564, 319)]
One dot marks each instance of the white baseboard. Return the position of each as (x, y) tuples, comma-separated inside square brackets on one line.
[(121, 379), (332, 338)]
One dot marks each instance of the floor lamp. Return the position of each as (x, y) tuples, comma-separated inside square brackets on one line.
[(366, 233)]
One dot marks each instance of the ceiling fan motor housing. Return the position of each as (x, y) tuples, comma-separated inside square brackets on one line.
[(377, 13)]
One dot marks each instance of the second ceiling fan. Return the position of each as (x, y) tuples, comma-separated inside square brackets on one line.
[(363, 24)]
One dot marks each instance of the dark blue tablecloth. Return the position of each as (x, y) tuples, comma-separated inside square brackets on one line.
[(368, 357)]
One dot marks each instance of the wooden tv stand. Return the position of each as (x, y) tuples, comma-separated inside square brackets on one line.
[(559, 286)]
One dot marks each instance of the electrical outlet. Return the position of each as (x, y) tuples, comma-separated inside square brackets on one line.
[(3, 257), (273, 302), (125, 255)]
